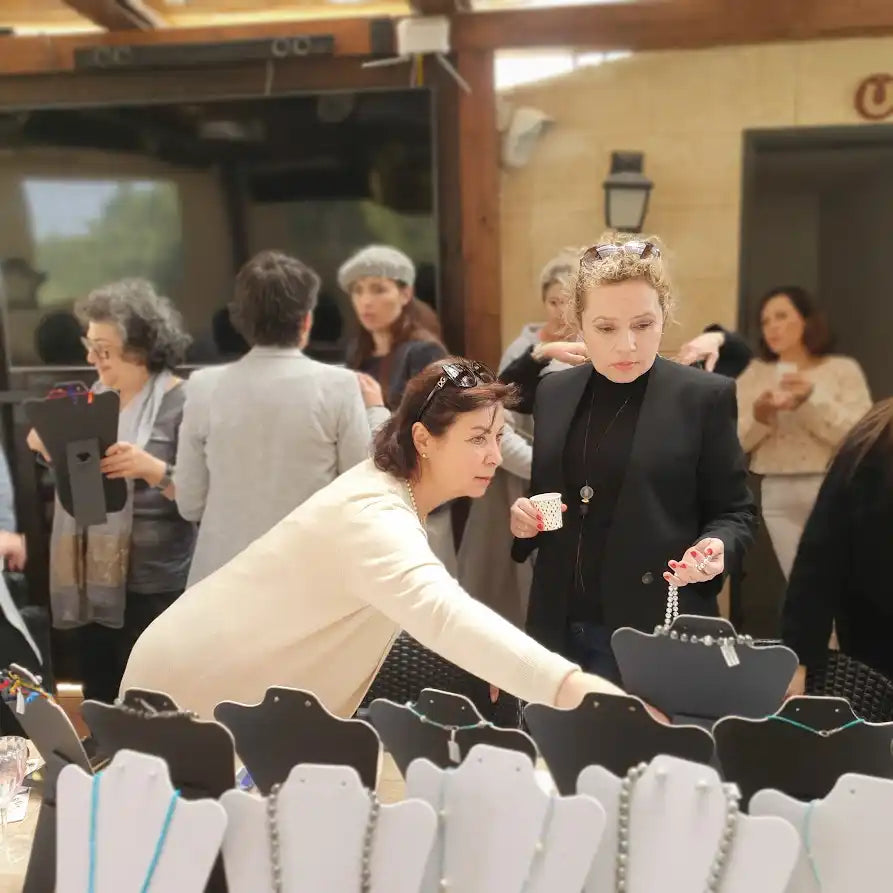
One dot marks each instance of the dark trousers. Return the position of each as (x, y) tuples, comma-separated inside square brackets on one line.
[(589, 645), (103, 651)]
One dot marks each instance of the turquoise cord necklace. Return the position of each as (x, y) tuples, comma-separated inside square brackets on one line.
[(824, 733), (807, 820), (159, 845)]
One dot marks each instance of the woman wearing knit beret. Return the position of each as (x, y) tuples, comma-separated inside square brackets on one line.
[(393, 344)]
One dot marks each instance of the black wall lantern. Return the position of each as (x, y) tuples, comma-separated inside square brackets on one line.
[(626, 192)]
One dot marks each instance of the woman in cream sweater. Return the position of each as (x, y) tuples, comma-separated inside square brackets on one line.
[(317, 602), (795, 406)]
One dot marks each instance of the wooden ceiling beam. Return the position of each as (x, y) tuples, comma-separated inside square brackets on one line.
[(45, 55), (661, 25), (439, 7), (641, 25), (117, 15)]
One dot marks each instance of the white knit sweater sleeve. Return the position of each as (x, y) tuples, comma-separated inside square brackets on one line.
[(837, 402), (393, 568)]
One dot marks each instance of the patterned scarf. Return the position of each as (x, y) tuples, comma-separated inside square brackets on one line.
[(89, 566)]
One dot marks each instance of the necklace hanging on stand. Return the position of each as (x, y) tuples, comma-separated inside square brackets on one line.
[(93, 842), (624, 838), (276, 845)]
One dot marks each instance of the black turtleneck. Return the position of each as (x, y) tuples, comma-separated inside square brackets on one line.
[(609, 411)]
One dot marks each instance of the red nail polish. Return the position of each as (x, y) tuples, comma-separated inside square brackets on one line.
[(683, 564), (539, 526), (694, 554), (710, 551), (672, 564)]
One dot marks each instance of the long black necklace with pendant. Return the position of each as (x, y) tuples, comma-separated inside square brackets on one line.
[(586, 491)]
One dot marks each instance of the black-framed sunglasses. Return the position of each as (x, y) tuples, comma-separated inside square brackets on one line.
[(461, 375), (638, 247)]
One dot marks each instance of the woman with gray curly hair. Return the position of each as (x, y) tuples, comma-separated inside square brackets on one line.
[(135, 565)]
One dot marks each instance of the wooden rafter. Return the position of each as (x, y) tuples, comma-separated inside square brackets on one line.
[(641, 25), (117, 15), (659, 25), (43, 55)]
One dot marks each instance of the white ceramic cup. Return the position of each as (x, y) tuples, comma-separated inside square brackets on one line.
[(782, 369), (549, 506)]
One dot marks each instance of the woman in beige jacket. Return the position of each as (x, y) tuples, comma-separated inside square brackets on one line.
[(795, 406), (317, 602)]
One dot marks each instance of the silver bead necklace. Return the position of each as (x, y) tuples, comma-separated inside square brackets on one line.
[(727, 836), (276, 850), (150, 713), (722, 641)]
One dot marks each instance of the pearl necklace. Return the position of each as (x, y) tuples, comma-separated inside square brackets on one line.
[(276, 848), (672, 605), (720, 859), (722, 641), (415, 506)]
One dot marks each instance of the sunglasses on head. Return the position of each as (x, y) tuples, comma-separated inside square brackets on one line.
[(637, 247), (461, 375)]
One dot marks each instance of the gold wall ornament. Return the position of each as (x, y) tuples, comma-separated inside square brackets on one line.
[(874, 97)]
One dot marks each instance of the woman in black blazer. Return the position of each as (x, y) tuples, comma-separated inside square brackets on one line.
[(645, 453), (835, 579)]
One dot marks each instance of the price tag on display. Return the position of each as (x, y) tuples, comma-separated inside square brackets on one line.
[(729, 653), (453, 750)]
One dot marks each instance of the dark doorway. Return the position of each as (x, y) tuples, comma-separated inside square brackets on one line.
[(817, 211)]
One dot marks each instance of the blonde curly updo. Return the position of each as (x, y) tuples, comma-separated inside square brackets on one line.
[(594, 272)]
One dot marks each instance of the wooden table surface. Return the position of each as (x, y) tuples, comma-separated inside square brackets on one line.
[(14, 855)]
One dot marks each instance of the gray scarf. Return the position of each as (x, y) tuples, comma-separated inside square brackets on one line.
[(89, 566)]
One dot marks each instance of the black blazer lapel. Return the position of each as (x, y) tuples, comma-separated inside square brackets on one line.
[(654, 425)]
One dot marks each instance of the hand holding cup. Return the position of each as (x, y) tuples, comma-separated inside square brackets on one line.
[(540, 513)]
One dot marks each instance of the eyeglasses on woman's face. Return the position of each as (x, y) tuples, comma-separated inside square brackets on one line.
[(102, 350)]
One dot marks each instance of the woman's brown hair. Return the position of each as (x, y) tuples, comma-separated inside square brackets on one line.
[(408, 326), (394, 450), (872, 433), (817, 338)]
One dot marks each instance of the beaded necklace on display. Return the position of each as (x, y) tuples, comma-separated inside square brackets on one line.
[(94, 843), (276, 850), (672, 613), (703, 640), (149, 712), (721, 857), (453, 750), (822, 733)]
